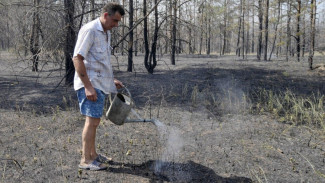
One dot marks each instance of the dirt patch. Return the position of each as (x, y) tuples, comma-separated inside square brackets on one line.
[(209, 134)]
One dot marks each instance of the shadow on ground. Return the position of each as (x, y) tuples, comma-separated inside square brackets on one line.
[(171, 84), (41, 94), (159, 171)]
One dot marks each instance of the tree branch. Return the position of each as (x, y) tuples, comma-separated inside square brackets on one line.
[(135, 25), (77, 16)]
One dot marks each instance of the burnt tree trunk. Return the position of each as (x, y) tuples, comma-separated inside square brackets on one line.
[(303, 49), (288, 42), (173, 51), (313, 32), (136, 30), (266, 28), (276, 28), (152, 58), (243, 32), (260, 33), (35, 36), (253, 30), (298, 49), (145, 36), (70, 41), (225, 18), (130, 45), (92, 4), (239, 29), (208, 41)]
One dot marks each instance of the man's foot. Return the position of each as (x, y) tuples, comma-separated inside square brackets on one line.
[(94, 166), (103, 159)]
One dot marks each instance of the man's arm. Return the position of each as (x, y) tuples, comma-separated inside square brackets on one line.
[(78, 62)]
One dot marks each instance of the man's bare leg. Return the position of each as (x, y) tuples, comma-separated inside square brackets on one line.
[(88, 140)]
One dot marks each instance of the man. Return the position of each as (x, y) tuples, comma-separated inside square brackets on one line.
[(94, 78)]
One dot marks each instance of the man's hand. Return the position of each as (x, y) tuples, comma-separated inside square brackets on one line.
[(118, 84), (78, 62), (91, 93)]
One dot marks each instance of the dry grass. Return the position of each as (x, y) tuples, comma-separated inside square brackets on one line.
[(288, 107)]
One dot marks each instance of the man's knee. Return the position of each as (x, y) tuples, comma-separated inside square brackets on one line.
[(93, 122)]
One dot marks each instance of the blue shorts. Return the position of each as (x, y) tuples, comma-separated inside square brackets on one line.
[(90, 108)]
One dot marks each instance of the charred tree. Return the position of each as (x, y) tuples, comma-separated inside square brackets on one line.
[(260, 33), (225, 18), (313, 32), (266, 28), (208, 40), (70, 40), (152, 58), (276, 28), (174, 24), (145, 36), (238, 47), (297, 37), (35, 36), (130, 45), (243, 32), (288, 42), (253, 30)]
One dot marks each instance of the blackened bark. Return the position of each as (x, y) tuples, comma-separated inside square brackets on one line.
[(209, 37), (35, 36), (266, 28), (70, 41), (174, 24), (130, 45), (298, 30), (288, 46), (260, 33), (145, 36), (225, 18), (153, 59), (239, 29), (243, 32), (313, 32), (276, 28), (253, 30)]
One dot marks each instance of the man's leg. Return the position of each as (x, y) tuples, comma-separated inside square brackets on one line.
[(88, 140)]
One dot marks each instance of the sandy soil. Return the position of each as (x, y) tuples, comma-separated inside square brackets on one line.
[(207, 132)]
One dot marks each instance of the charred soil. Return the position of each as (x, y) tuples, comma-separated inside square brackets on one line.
[(210, 133)]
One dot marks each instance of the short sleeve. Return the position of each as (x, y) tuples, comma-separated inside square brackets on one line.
[(84, 43)]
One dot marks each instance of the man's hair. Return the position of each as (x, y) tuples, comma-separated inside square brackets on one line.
[(112, 8)]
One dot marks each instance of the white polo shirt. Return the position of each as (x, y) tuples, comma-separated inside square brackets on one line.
[(94, 45)]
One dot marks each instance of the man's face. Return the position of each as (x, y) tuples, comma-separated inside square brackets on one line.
[(111, 21)]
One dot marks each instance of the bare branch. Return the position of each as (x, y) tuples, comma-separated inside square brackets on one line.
[(135, 25)]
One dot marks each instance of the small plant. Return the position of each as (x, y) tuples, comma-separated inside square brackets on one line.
[(194, 95), (184, 91)]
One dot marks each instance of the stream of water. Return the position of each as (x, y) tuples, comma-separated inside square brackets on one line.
[(171, 141)]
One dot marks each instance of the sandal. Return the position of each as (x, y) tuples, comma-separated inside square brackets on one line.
[(94, 166), (103, 159)]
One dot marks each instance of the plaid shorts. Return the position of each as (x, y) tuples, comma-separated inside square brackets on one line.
[(90, 108)]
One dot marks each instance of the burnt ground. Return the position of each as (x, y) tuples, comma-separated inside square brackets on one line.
[(210, 134)]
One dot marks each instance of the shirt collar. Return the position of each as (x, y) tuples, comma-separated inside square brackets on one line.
[(99, 25)]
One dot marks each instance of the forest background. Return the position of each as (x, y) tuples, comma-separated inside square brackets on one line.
[(238, 83)]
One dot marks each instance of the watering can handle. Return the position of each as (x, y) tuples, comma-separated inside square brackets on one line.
[(128, 92)]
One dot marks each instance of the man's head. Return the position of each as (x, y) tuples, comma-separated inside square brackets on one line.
[(111, 15)]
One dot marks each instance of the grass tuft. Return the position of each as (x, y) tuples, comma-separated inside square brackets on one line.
[(288, 107)]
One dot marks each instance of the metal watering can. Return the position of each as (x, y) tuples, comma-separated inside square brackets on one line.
[(120, 108)]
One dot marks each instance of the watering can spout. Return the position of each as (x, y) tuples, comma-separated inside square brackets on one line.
[(139, 120), (120, 108)]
